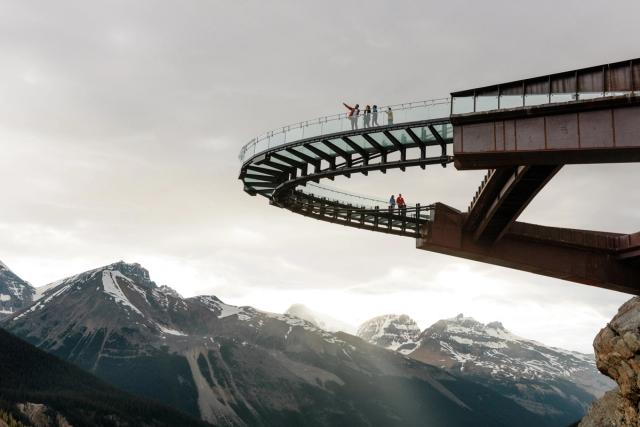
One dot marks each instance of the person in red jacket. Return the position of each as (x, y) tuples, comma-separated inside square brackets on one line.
[(353, 115), (402, 206)]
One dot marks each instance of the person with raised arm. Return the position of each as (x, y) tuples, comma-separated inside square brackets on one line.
[(353, 115)]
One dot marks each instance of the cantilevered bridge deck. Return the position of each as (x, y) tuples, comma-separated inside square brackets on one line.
[(522, 131)]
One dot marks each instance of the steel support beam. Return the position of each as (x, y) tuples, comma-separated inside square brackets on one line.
[(590, 131), (581, 256), (503, 198)]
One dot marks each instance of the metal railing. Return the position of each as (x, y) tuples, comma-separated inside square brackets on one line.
[(340, 196), (401, 113), (338, 200)]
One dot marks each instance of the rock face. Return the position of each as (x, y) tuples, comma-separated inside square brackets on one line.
[(617, 348), (391, 331), (15, 293), (237, 366)]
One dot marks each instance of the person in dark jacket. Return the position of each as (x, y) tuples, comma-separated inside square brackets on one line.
[(366, 117), (374, 116)]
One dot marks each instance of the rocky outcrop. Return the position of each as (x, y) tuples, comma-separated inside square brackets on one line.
[(617, 348)]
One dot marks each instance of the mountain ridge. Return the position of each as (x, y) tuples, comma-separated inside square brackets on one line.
[(556, 383), (234, 365)]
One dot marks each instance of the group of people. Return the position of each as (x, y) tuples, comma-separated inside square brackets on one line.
[(399, 201), (369, 116)]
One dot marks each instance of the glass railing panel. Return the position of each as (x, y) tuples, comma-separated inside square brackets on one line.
[(590, 95), (412, 114), (277, 139), (262, 145), (309, 130), (336, 195), (294, 133), (486, 103), (563, 97), (511, 101), (531, 100), (462, 105), (333, 125), (439, 109), (620, 93)]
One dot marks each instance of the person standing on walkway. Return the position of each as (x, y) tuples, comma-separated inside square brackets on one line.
[(374, 116), (392, 203), (366, 117), (389, 116), (402, 206), (353, 115)]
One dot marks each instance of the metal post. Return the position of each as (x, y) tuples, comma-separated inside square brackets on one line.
[(389, 219), (376, 215)]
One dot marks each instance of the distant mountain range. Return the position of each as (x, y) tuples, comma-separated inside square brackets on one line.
[(554, 383), (239, 366)]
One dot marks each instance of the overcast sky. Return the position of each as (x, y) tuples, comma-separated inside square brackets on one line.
[(120, 124)]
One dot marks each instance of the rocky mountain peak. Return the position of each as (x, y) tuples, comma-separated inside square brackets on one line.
[(15, 293), (133, 271), (496, 325), (391, 331), (166, 290)]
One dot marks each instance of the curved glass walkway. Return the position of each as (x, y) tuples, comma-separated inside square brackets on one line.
[(286, 165)]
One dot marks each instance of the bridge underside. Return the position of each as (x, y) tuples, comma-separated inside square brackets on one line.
[(605, 260)]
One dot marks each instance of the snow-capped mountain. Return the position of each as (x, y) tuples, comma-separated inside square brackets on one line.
[(465, 344), (391, 331), (321, 320), (240, 366), (15, 293), (547, 380)]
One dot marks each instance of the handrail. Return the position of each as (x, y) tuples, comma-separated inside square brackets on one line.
[(336, 117), (330, 190)]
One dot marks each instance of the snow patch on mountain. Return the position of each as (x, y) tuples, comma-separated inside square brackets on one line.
[(391, 331), (15, 293), (111, 287), (467, 345), (170, 331)]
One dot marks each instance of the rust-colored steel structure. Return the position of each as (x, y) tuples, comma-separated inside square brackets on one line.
[(524, 147), (522, 132)]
